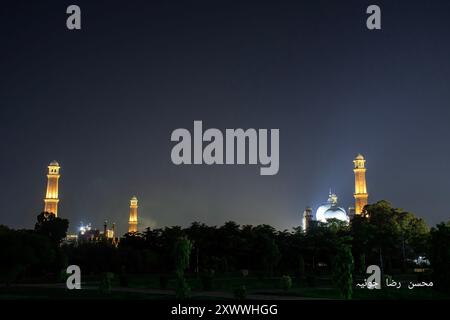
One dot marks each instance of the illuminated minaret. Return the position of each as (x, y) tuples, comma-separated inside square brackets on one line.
[(51, 198), (132, 223), (360, 195)]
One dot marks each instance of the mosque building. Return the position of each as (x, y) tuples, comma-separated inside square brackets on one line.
[(85, 233), (325, 212), (331, 209)]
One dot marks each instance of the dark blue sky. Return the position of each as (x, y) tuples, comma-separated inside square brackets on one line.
[(103, 101)]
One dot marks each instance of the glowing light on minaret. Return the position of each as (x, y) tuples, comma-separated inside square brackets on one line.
[(51, 198), (132, 223), (361, 195)]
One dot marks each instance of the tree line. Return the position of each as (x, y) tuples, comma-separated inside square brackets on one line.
[(384, 236)]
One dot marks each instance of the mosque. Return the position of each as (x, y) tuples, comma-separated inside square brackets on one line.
[(331, 209), (85, 233)]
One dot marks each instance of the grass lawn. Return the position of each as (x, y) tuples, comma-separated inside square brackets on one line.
[(21, 293), (399, 294), (323, 289), (270, 286)]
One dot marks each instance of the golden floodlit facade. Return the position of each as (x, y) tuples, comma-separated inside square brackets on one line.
[(51, 198), (132, 223), (361, 195)]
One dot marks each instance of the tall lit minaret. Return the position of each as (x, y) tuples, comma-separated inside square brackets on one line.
[(360, 195), (51, 198), (132, 223)]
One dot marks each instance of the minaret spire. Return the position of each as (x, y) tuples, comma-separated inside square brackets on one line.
[(51, 198), (132, 223), (361, 195)]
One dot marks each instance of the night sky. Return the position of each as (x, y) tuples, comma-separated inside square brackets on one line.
[(104, 101)]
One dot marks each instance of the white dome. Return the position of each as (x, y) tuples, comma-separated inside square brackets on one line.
[(331, 211), (336, 213), (320, 213)]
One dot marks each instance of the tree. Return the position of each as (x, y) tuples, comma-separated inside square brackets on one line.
[(388, 236), (384, 233), (229, 246), (343, 272), (440, 255), (24, 253), (51, 226), (205, 245), (168, 239), (414, 233), (301, 267), (268, 253), (182, 251), (360, 244), (323, 240)]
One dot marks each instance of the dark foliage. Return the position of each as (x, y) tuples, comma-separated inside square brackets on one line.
[(52, 227), (387, 237), (440, 256)]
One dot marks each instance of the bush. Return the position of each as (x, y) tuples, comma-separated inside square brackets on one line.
[(240, 292), (286, 283), (343, 267)]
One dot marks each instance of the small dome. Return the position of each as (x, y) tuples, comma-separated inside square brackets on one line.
[(134, 198), (54, 163), (359, 157)]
